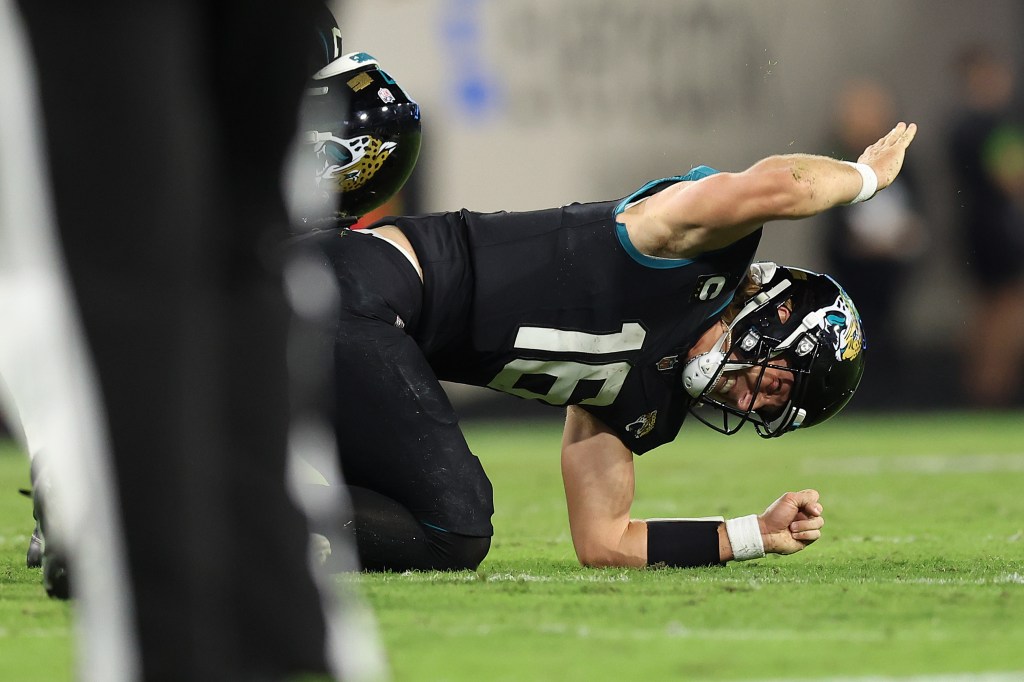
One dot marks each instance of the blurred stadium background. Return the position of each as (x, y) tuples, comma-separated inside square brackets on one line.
[(537, 103)]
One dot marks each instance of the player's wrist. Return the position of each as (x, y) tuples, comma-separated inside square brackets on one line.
[(746, 537), (868, 179)]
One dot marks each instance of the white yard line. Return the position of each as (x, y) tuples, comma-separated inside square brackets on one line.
[(414, 577)]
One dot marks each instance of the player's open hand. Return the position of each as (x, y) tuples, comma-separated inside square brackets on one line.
[(791, 522), (886, 156)]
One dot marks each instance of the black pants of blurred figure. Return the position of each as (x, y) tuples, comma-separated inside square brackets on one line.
[(167, 124)]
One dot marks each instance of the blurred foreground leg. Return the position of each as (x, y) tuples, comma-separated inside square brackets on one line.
[(167, 125)]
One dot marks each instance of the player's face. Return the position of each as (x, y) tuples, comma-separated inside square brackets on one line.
[(769, 392), (740, 389)]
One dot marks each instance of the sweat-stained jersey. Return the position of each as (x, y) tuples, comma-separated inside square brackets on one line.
[(557, 305)]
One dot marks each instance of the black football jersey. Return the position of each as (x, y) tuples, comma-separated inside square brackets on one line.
[(558, 305)]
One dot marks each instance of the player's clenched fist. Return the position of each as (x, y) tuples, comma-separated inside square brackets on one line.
[(792, 522)]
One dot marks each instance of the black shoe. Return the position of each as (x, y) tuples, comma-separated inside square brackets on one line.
[(34, 556), (55, 576)]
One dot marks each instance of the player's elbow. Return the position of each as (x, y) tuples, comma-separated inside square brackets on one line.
[(595, 559), (596, 554)]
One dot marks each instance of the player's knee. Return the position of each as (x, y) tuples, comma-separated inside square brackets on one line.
[(472, 551), (456, 552)]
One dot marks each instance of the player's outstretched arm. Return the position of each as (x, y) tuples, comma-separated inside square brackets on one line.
[(690, 218)]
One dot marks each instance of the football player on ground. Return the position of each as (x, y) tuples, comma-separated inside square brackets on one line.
[(632, 313)]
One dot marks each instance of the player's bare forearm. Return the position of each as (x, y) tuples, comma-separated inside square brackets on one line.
[(690, 218), (597, 471), (803, 185), (821, 183), (809, 184)]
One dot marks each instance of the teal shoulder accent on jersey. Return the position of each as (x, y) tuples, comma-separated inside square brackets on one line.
[(643, 258), (620, 230), (699, 172)]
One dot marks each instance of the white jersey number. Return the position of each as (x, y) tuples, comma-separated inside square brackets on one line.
[(711, 288), (568, 374)]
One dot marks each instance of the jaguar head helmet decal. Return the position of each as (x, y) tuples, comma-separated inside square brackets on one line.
[(346, 165)]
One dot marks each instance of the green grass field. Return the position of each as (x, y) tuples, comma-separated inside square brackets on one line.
[(920, 573)]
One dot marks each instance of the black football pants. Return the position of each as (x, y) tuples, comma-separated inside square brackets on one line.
[(420, 496)]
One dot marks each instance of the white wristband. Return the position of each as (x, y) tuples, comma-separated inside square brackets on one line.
[(869, 181), (745, 537)]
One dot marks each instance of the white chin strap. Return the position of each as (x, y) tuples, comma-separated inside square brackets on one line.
[(702, 369)]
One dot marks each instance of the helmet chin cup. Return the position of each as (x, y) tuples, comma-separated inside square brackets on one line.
[(700, 371)]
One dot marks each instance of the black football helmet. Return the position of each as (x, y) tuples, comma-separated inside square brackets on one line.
[(821, 343), (360, 139)]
